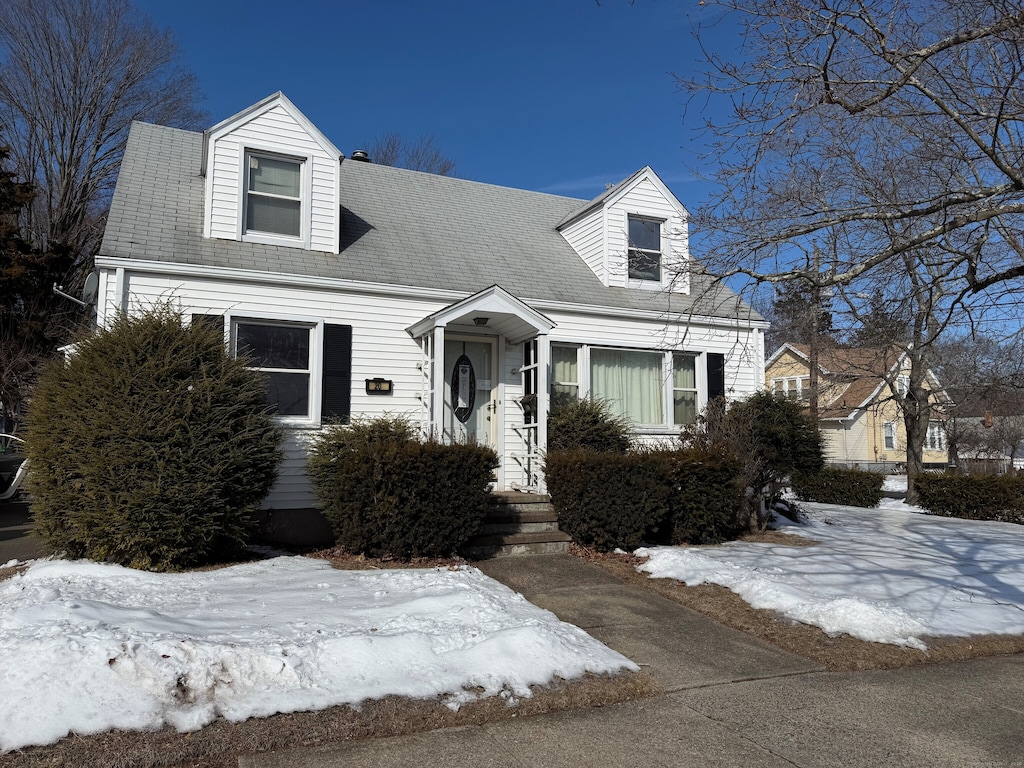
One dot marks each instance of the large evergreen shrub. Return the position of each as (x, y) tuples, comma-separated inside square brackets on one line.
[(708, 494), (773, 436), (387, 494), (587, 424), (151, 447)]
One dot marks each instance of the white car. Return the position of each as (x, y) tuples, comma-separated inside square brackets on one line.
[(13, 466)]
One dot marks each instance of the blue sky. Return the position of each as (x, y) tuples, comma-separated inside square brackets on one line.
[(560, 96)]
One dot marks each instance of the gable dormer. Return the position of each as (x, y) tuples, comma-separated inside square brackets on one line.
[(272, 177), (633, 235)]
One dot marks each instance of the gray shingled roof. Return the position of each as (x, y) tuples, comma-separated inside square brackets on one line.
[(398, 227)]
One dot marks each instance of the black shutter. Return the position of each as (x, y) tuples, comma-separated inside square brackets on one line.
[(716, 375), (336, 391)]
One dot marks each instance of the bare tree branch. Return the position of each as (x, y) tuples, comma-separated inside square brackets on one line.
[(73, 77)]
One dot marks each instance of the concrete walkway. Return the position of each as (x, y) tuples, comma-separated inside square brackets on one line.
[(730, 700)]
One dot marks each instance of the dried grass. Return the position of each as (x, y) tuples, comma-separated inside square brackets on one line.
[(842, 652), (219, 744)]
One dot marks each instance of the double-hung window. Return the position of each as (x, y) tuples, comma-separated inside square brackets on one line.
[(282, 352), (565, 374), (273, 195), (936, 438), (644, 249), (889, 435), (793, 387), (684, 388)]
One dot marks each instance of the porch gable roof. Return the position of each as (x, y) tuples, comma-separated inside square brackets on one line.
[(493, 308)]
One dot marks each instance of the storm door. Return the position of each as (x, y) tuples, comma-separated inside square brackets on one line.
[(470, 391)]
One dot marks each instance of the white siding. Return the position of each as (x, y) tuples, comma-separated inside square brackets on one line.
[(381, 347), (514, 448), (586, 237), (274, 130), (645, 199)]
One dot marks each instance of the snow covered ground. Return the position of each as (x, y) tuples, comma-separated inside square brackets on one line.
[(85, 647), (889, 575)]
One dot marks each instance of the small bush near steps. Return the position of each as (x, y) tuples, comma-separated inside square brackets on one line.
[(386, 494), (151, 447), (587, 424), (622, 500)]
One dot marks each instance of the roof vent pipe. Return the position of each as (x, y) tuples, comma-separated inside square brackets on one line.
[(361, 156)]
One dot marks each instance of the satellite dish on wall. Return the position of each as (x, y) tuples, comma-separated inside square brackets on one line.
[(92, 284)]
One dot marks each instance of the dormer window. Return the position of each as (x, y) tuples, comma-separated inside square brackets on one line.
[(273, 196), (644, 249)]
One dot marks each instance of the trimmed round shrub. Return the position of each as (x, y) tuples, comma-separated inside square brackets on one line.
[(587, 424), (151, 446), (833, 485), (386, 494)]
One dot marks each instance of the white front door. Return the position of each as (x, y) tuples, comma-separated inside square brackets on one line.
[(470, 391)]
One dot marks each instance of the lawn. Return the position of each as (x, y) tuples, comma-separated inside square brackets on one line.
[(97, 649)]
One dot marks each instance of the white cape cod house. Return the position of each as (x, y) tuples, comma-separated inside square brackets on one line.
[(365, 290)]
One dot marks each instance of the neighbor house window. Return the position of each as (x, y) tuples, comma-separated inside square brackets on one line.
[(684, 388), (565, 374), (273, 198), (630, 382), (889, 435), (793, 387), (644, 249), (281, 352), (936, 438)]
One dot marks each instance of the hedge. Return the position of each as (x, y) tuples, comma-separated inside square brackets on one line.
[(992, 497), (832, 485), (613, 500)]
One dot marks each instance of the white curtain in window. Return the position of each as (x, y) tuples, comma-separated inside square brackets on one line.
[(563, 363), (630, 382)]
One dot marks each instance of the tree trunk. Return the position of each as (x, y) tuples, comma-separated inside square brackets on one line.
[(915, 419)]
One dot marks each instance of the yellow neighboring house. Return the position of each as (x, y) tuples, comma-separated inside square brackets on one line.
[(860, 420)]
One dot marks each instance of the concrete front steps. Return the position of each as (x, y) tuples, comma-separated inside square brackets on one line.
[(518, 524)]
